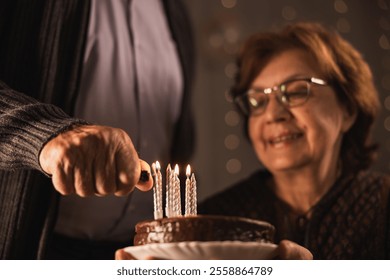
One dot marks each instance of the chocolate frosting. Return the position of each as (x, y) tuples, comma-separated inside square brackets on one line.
[(203, 228)]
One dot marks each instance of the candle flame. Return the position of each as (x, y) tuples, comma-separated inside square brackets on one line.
[(188, 170), (158, 167), (176, 169)]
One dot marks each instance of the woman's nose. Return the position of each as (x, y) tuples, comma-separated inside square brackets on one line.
[(276, 111)]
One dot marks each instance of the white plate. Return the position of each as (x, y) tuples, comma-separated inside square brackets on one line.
[(215, 250)]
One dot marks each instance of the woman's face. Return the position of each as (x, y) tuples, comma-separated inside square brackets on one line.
[(287, 139)]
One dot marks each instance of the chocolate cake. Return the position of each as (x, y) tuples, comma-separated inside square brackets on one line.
[(203, 228)]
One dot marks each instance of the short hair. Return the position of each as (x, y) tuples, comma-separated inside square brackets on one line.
[(343, 68)]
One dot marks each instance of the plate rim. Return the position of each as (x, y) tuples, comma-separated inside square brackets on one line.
[(228, 245)]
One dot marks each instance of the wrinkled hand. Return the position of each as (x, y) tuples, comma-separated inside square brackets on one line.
[(94, 160), (288, 250)]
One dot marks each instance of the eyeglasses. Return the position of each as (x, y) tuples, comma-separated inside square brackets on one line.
[(291, 93)]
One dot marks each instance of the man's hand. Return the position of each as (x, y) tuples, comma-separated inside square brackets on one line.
[(94, 160)]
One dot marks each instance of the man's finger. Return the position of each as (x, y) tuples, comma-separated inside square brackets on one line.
[(63, 180), (105, 174)]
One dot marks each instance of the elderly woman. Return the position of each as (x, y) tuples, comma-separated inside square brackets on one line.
[(309, 103)]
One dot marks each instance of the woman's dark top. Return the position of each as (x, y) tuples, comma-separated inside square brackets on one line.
[(351, 221)]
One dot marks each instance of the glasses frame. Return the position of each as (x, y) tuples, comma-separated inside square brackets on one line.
[(243, 103)]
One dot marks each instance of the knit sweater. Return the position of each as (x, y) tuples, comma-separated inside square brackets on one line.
[(351, 221), (41, 52)]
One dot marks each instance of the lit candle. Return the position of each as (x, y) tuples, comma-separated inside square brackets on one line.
[(157, 178), (176, 193), (187, 196)]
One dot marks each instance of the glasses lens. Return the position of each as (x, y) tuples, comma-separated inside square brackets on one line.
[(295, 93), (257, 101), (252, 103)]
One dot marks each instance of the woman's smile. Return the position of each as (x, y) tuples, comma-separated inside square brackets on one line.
[(284, 139)]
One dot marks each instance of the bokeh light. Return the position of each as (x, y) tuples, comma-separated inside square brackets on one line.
[(232, 118), (340, 6), (232, 142), (233, 166), (229, 3), (289, 13)]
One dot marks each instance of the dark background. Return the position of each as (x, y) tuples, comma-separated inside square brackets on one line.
[(223, 155)]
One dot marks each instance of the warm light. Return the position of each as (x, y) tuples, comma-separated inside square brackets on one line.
[(188, 170), (158, 167), (176, 170), (229, 3)]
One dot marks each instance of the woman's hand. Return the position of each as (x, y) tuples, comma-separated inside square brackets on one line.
[(94, 160), (288, 250), (122, 255)]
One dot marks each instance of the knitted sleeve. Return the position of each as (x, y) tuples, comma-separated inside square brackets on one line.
[(25, 126)]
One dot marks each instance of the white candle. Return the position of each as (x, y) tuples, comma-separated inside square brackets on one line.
[(168, 191), (156, 170), (187, 196), (176, 193), (173, 190), (193, 194), (154, 189)]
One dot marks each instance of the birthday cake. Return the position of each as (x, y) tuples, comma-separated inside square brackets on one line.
[(176, 227), (203, 228)]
